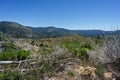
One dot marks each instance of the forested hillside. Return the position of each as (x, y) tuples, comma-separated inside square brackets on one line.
[(16, 30)]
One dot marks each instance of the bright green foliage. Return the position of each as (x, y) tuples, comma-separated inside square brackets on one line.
[(14, 55), (78, 49), (73, 47), (8, 55), (22, 54)]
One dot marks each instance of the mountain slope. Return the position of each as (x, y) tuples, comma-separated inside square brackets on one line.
[(47, 32), (3, 37), (14, 29), (17, 30)]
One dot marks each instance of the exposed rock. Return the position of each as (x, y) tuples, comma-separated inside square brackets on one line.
[(108, 75), (55, 78), (26, 46), (84, 71)]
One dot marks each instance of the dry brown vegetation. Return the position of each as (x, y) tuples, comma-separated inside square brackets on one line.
[(66, 58)]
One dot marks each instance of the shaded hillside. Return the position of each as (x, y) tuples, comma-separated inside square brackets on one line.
[(47, 32), (17, 30), (3, 37), (14, 29), (88, 32)]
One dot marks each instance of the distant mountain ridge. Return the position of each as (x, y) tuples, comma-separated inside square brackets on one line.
[(17, 30), (14, 29)]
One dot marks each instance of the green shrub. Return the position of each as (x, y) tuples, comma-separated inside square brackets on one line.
[(82, 54), (22, 54), (100, 70), (45, 67), (41, 44), (70, 73), (14, 55), (8, 55), (87, 45), (8, 45), (10, 75)]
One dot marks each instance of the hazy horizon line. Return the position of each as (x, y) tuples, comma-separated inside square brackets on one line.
[(111, 29)]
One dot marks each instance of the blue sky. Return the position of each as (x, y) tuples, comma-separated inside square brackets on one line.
[(69, 14)]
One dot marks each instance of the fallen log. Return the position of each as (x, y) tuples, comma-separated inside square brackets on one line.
[(9, 62), (18, 62)]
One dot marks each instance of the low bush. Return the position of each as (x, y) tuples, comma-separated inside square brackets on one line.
[(22, 54), (8, 45), (70, 73), (100, 70), (83, 54), (14, 55), (10, 75), (87, 45)]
